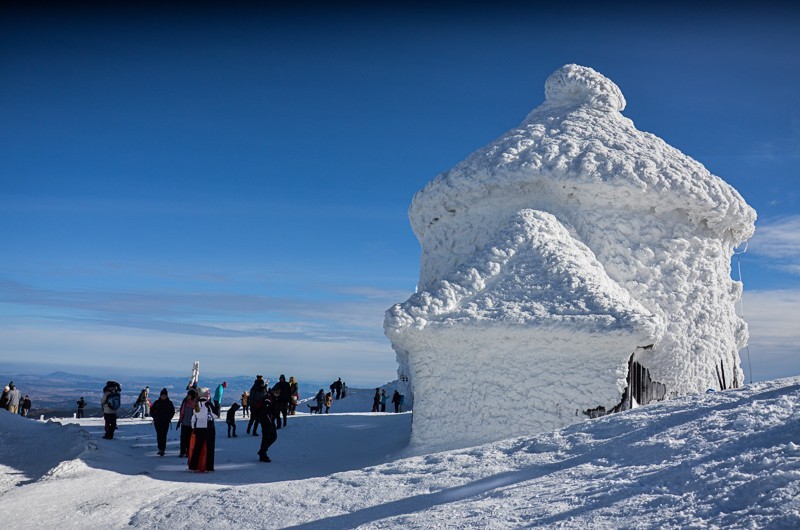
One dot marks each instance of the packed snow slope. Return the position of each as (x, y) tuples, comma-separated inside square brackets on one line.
[(718, 460)]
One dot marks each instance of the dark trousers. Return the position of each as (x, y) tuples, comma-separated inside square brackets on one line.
[(245, 411), (111, 424), (203, 437), (79, 414), (268, 436), (231, 425), (161, 434), (253, 423), (186, 437), (383, 407), (284, 411)]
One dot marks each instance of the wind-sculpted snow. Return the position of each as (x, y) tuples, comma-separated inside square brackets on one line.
[(720, 460), (655, 232)]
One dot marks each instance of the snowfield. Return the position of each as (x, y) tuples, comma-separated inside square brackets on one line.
[(718, 460)]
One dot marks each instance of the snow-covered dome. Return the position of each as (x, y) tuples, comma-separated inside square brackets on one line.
[(576, 264), (578, 147), (573, 85)]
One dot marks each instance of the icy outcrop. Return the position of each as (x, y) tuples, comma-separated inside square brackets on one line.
[(575, 264)]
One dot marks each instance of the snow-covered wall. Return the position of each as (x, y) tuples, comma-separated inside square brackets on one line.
[(552, 256)]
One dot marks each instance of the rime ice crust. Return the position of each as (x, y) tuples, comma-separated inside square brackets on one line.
[(567, 243)]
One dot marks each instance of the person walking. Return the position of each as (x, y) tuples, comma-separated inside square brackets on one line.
[(396, 400), (185, 421), (328, 402), (384, 397), (81, 405), (320, 399), (230, 419), (257, 393), (162, 413), (201, 449), (266, 410), (337, 387)]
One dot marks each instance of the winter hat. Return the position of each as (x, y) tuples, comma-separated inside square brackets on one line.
[(192, 392), (259, 377), (224, 384), (205, 393), (164, 392), (283, 377)]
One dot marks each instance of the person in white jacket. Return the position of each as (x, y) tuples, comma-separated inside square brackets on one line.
[(203, 433)]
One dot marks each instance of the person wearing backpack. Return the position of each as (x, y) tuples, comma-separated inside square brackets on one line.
[(162, 413), (110, 403)]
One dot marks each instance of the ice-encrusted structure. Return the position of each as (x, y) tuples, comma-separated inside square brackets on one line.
[(572, 267)]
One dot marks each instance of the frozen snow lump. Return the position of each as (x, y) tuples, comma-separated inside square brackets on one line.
[(572, 267), (573, 85)]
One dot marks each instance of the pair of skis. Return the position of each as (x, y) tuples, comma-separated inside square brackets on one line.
[(195, 376)]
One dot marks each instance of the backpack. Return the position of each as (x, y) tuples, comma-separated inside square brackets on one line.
[(113, 401)]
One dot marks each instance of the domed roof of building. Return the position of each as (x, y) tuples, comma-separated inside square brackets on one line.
[(578, 143)]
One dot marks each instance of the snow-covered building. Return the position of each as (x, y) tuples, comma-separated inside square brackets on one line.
[(573, 267)]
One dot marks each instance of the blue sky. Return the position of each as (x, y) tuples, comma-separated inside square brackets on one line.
[(232, 184)]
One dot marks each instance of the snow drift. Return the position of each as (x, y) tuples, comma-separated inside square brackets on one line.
[(719, 460), (572, 267)]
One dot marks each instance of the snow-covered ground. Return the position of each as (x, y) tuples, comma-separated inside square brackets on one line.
[(719, 460)]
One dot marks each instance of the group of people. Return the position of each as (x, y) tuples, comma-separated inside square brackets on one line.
[(265, 407), (379, 400), (12, 400)]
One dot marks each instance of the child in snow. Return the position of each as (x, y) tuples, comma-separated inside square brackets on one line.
[(230, 419), (328, 402)]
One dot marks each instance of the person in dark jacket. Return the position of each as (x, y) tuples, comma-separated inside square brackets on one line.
[(266, 412), (185, 420), (376, 400), (81, 405), (257, 393), (26, 406), (230, 419), (284, 391), (162, 413), (396, 400)]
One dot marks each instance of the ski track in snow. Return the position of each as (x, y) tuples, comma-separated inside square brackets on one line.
[(721, 460)]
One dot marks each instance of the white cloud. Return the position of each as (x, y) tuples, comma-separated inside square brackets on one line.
[(778, 239), (773, 318), (142, 351)]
